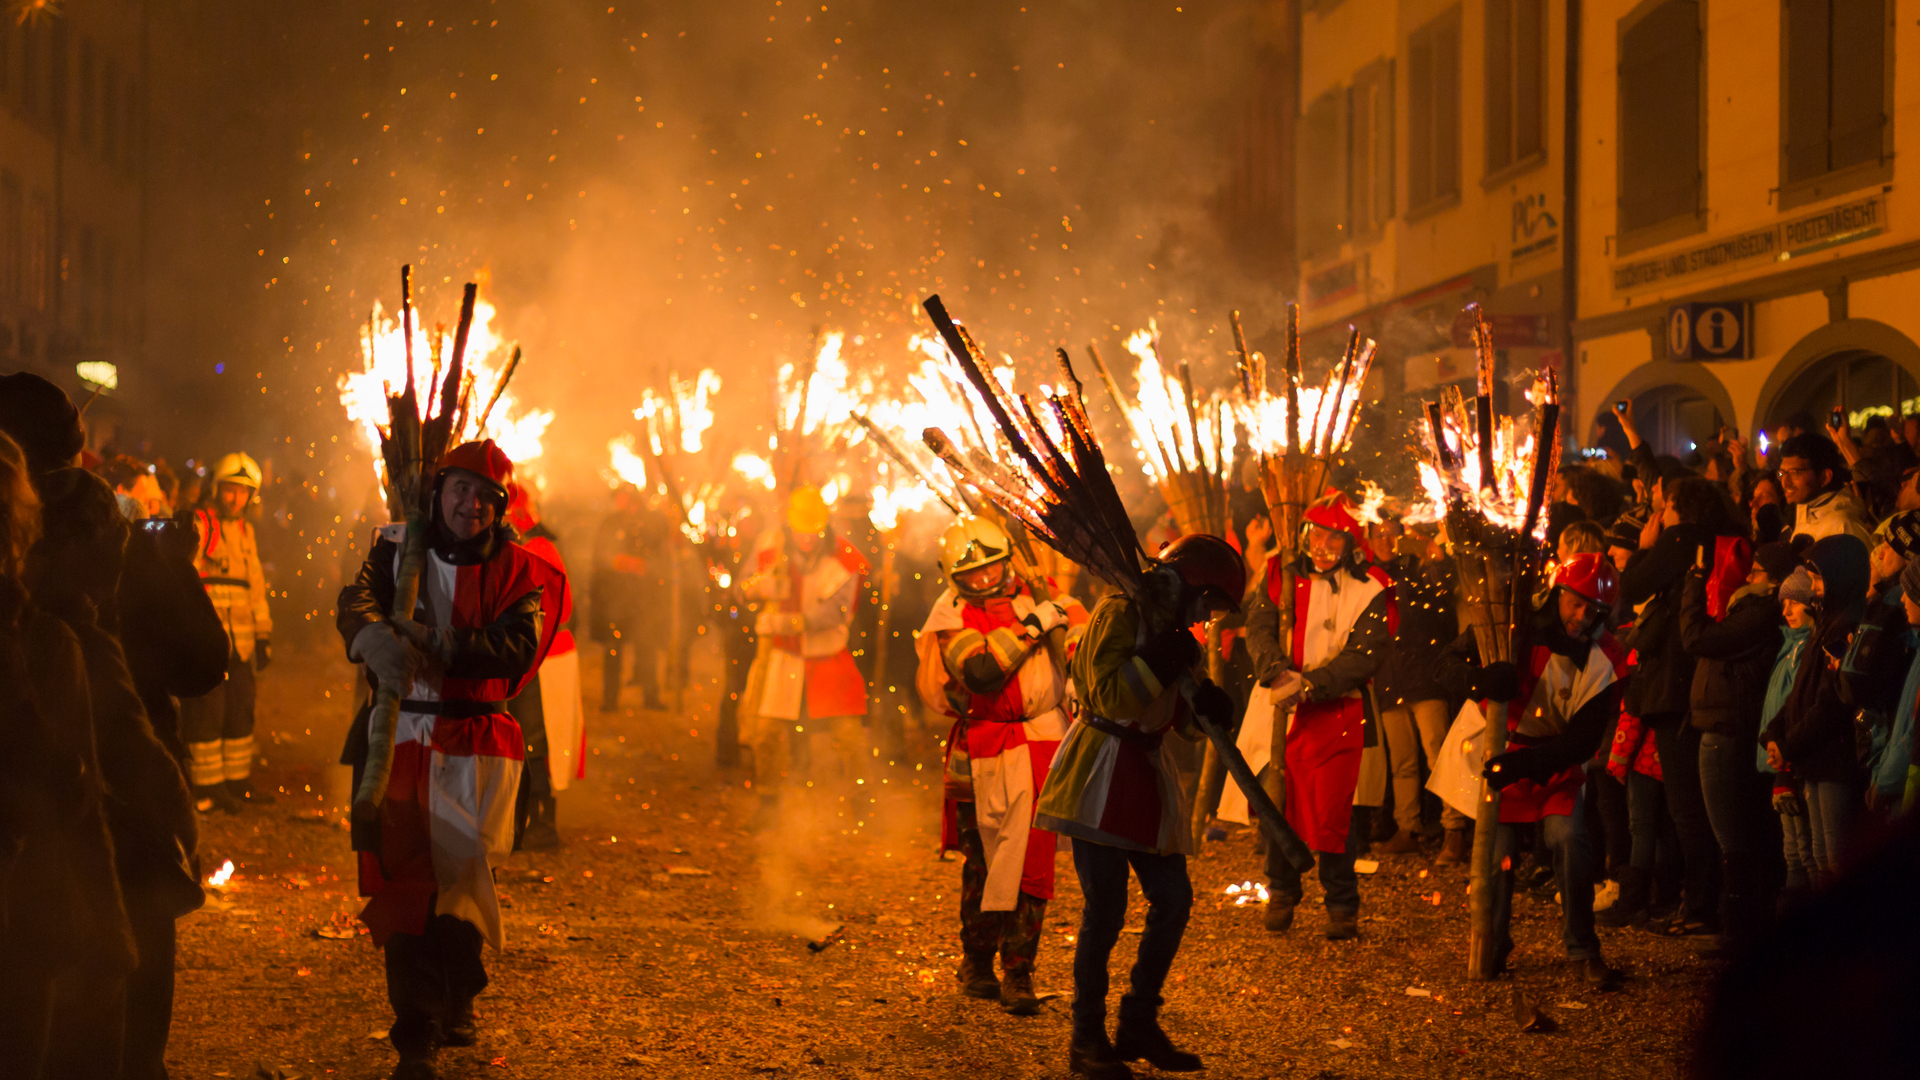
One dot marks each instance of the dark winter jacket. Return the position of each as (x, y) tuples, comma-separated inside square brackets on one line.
[(176, 646), (1732, 657), (1815, 730), (1876, 663), (1663, 671), (1427, 624)]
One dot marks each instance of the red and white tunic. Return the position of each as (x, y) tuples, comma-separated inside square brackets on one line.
[(805, 624), (448, 815), (1000, 748), (560, 686)]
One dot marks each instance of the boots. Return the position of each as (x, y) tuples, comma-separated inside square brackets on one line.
[(977, 979), (1403, 842), (1636, 884), (211, 797), (1278, 918), (1456, 849), (244, 793), (1342, 925), (1016, 994), (1143, 1038), (541, 834), (1093, 1056)]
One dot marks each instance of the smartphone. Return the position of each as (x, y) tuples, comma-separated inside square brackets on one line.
[(1621, 407), (1837, 418)]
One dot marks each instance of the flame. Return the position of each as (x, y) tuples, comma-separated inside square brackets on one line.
[(681, 415), (383, 353), (889, 503), (1162, 419), (755, 469), (1372, 496), (1503, 500), (628, 467), (221, 876), (1247, 892), (831, 392)]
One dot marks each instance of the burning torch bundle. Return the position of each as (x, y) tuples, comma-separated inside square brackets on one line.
[(412, 442), (1489, 476), (1186, 444), (1054, 481)]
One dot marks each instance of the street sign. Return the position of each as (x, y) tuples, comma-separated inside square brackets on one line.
[(1720, 330)]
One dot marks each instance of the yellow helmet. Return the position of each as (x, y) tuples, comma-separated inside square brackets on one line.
[(236, 468), (970, 543), (807, 511)]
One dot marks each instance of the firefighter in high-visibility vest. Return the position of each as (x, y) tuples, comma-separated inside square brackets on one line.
[(218, 727)]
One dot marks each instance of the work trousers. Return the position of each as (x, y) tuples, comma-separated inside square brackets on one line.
[(218, 727), (1565, 838), (1337, 877), (1411, 727), (645, 672), (1103, 883), (1015, 934), (432, 979)]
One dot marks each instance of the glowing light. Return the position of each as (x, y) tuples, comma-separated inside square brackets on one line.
[(100, 373), (628, 466), (1247, 892), (1372, 496), (755, 470), (1193, 435), (889, 503), (221, 876)]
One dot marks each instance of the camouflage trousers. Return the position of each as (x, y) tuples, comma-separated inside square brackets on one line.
[(1015, 934)]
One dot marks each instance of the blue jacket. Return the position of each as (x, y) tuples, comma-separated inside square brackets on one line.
[(1891, 761), (1780, 683)]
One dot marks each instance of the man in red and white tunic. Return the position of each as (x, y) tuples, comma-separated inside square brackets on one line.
[(1343, 618), (1560, 705), (808, 580), (548, 710), (986, 663), (485, 620)]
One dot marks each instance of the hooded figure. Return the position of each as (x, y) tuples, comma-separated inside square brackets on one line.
[(486, 617)]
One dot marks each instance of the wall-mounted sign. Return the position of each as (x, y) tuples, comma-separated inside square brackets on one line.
[(1721, 330), (1340, 281), (1803, 235), (1535, 230), (1509, 331)]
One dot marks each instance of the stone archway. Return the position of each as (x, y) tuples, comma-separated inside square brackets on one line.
[(1669, 375), (1837, 343)]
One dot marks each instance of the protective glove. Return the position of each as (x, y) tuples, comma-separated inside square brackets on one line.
[(1044, 618), (389, 656), (430, 642), (1516, 765), (1498, 681), (1170, 653), (262, 654), (1213, 704), (1787, 803)]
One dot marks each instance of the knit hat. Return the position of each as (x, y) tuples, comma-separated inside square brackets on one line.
[(1902, 533), (1776, 559), (1798, 587), (1625, 533), (42, 419)]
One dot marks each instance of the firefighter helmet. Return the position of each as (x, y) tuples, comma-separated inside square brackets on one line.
[(1591, 577), (1207, 562), (969, 544), (807, 511), (236, 468), (483, 459), (1333, 512)]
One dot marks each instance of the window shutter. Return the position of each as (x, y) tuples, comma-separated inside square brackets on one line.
[(1446, 105), (1859, 112), (1322, 175), (1660, 116), (1420, 118), (1809, 51), (1529, 78), (1500, 79)]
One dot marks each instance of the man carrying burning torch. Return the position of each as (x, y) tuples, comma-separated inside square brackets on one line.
[(1343, 618), (1561, 703), (486, 618), (986, 661), (1115, 789)]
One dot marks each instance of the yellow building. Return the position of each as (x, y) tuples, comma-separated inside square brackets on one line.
[(1747, 252), (1431, 149)]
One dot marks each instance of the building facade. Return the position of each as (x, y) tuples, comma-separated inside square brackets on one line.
[(1432, 169), (72, 99), (1750, 252)]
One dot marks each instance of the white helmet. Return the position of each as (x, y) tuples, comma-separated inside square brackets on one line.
[(236, 468), (970, 543)]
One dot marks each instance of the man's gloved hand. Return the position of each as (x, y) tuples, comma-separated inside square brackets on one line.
[(1214, 704), (1171, 653), (1517, 765), (1787, 802), (388, 655), (1044, 618), (1498, 681), (262, 653)]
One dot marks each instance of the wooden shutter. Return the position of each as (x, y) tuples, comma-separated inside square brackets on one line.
[(1660, 115), (1500, 80), (1322, 178), (1859, 110)]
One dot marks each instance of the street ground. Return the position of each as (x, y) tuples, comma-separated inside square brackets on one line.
[(665, 939)]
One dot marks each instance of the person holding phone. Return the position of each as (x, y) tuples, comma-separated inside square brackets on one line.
[(1813, 476)]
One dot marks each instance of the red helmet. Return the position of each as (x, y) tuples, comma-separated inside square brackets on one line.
[(1591, 577), (1333, 511), (520, 510), (1208, 562), (483, 459)]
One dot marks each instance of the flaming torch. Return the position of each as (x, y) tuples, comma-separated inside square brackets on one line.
[(417, 435), (1055, 483), (1296, 434), (1491, 479)]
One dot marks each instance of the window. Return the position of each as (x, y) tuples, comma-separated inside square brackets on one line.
[(1516, 81), (1370, 144), (1835, 110), (1660, 53), (12, 212), (1433, 112), (1322, 164)]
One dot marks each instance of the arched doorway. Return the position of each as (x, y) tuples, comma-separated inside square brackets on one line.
[(1675, 420), (1860, 381)]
